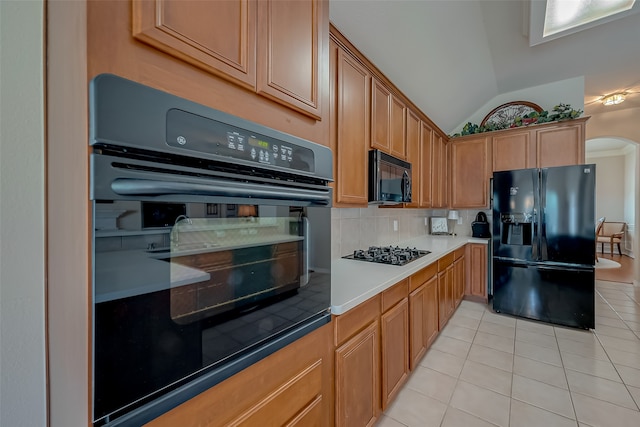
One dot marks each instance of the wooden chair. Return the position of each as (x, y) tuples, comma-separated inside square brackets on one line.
[(610, 232)]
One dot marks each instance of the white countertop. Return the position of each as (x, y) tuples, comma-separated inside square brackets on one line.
[(353, 281)]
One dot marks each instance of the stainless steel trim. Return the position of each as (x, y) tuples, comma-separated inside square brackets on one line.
[(304, 279), (214, 187)]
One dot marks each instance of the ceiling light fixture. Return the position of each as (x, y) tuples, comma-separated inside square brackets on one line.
[(613, 99)]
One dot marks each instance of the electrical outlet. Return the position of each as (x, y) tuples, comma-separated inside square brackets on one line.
[(426, 221), (459, 221), (395, 225)]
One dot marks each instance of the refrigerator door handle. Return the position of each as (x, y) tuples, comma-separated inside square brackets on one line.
[(534, 241)]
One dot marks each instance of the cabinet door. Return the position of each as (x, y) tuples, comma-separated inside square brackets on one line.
[(458, 274), (450, 278), (395, 350), (439, 173), (560, 145), (352, 127), (357, 385), (513, 150), (443, 304), (290, 44), (380, 114), (413, 156), (478, 270), (423, 319), (219, 37), (417, 325), (470, 173), (431, 309), (429, 173), (397, 130)]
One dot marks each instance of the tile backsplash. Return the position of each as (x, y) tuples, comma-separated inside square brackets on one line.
[(360, 228)]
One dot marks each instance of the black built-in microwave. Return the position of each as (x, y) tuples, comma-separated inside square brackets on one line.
[(389, 179)]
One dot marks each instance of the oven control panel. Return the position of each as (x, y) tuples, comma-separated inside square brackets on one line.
[(196, 133)]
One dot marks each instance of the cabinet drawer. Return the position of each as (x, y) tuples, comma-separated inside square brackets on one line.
[(459, 252), (284, 403), (350, 323), (395, 294), (422, 276), (446, 261)]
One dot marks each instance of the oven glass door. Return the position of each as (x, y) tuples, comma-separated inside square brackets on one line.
[(182, 289)]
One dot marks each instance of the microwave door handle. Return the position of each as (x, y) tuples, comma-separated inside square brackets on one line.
[(212, 187), (406, 189)]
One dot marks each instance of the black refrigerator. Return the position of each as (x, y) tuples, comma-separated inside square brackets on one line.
[(544, 244)]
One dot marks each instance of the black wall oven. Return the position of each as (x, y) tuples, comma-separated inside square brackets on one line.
[(212, 252)]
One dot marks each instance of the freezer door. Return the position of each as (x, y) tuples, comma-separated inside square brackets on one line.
[(568, 214), (553, 294), (515, 197)]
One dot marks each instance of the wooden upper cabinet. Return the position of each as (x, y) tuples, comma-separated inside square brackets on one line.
[(397, 128), (380, 114), (470, 172), (513, 150), (561, 144), (387, 121), (219, 37), (439, 172), (539, 146), (414, 156), (352, 130), (290, 40), (427, 169), (272, 47)]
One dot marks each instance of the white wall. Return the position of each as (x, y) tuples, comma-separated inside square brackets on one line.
[(610, 186), (22, 295), (630, 200)]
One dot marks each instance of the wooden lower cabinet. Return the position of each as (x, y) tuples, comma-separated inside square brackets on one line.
[(394, 336), (423, 315), (446, 303), (477, 271), (291, 387), (357, 372), (382, 340), (458, 276)]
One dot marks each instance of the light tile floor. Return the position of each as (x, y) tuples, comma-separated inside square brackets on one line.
[(487, 369)]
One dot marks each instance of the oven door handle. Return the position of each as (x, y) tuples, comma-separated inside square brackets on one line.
[(213, 187)]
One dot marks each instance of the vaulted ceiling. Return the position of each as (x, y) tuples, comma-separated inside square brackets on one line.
[(451, 57)]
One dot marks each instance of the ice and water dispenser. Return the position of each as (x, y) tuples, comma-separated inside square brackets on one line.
[(516, 228)]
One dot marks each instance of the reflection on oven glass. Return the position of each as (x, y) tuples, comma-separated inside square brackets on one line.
[(173, 302)]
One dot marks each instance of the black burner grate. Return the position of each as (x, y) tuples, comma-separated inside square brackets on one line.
[(393, 255)]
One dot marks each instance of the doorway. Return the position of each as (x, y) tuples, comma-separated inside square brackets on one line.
[(616, 200)]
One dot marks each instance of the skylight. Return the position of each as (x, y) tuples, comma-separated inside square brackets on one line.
[(562, 15), (552, 19)]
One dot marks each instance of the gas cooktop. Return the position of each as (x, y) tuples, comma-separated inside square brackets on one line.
[(393, 255)]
